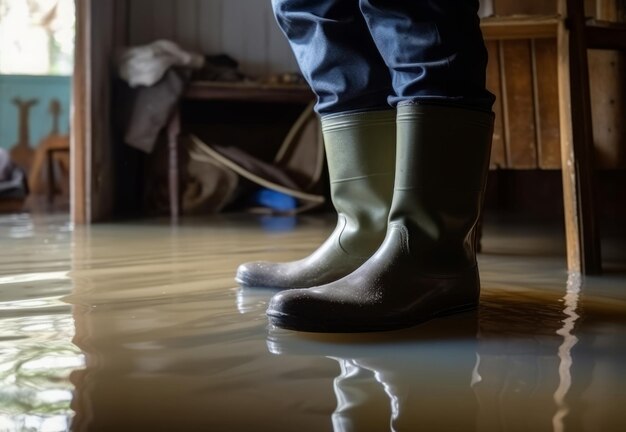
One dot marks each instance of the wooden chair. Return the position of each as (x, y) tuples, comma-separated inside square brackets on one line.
[(41, 178), (574, 35)]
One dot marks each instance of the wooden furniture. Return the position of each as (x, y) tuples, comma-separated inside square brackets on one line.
[(543, 125), (61, 153), (577, 35), (45, 154), (224, 92), (22, 152), (44, 162)]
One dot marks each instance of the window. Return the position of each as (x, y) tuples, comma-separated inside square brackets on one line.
[(36, 37)]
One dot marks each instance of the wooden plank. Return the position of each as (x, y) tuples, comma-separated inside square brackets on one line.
[(186, 24), (232, 36), (583, 241), (611, 10), (521, 145), (608, 101), (608, 95), (164, 16), (99, 30), (547, 103), (535, 89), (80, 124), (249, 92), (100, 172), (526, 7), (570, 186), (121, 12), (607, 37), (173, 134), (141, 24), (494, 84), (505, 104), (504, 28), (589, 7), (245, 29), (209, 26), (256, 37)]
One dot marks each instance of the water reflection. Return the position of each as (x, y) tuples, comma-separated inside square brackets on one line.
[(36, 353), (571, 298), (36, 358), (425, 373), (510, 367), (155, 337)]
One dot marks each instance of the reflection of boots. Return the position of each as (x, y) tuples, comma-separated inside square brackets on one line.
[(362, 404), (360, 151), (417, 379), (426, 266)]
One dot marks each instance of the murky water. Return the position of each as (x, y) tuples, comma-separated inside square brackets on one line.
[(139, 327)]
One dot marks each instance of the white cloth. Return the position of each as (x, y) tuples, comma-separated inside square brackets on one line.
[(146, 65)]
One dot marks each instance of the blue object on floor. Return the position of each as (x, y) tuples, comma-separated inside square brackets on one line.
[(277, 201)]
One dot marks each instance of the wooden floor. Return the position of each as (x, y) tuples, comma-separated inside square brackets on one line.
[(140, 327)]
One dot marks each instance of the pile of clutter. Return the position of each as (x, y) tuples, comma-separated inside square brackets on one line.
[(157, 76), (13, 183)]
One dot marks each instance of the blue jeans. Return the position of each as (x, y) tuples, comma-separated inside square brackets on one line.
[(361, 55)]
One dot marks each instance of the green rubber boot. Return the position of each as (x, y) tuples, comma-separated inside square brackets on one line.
[(426, 266), (360, 150)]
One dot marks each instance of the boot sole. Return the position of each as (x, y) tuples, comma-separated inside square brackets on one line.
[(245, 282), (241, 281), (290, 322)]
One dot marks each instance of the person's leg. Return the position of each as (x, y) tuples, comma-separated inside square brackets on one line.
[(340, 61), (336, 54), (434, 50), (426, 266)]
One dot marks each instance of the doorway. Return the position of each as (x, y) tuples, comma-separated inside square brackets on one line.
[(36, 67)]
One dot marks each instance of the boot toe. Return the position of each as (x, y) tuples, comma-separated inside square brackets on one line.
[(289, 309), (309, 310), (263, 274), (305, 273), (256, 274)]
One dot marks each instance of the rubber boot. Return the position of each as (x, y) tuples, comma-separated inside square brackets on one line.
[(360, 150), (426, 266)]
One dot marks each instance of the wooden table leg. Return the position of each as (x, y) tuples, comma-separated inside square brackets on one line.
[(583, 241), (50, 168), (173, 131)]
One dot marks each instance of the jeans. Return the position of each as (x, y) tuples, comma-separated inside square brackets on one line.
[(362, 55)]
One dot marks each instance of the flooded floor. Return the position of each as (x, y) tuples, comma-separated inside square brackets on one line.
[(140, 327)]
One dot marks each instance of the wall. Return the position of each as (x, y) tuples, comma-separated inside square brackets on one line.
[(244, 29), (44, 89)]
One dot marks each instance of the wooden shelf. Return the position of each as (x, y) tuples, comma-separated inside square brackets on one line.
[(249, 92), (520, 27), (606, 35)]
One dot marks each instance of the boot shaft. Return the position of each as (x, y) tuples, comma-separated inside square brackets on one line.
[(360, 150), (442, 163), (360, 144)]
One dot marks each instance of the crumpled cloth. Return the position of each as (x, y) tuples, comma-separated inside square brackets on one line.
[(12, 178), (147, 64), (150, 109)]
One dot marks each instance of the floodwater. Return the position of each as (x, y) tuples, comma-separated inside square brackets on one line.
[(140, 327)]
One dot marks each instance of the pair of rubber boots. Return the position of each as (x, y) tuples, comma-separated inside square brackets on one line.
[(403, 251)]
